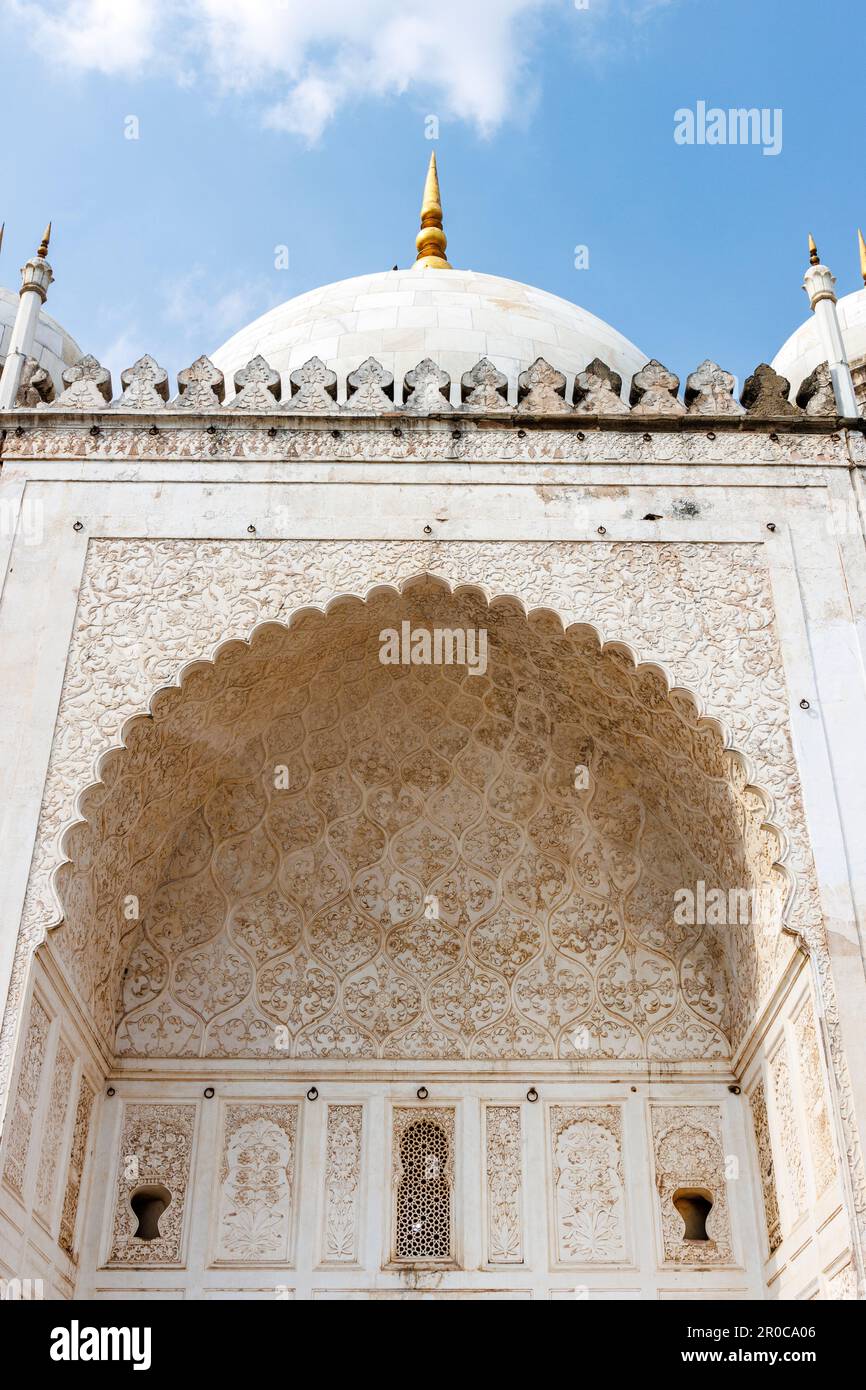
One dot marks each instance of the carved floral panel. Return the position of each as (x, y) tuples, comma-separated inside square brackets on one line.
[(689, 1158), (343, 1155), (53, 1131), (588, 1185), (734, 666), (766, 1165), (257, 1181), (504, 1179), (814, 1090), (77, 1161), (155, 1152), (19, 1125), (792, 1172)]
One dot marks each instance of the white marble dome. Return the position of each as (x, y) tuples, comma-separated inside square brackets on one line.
[(803, 350), (53, 349), (454, 317)]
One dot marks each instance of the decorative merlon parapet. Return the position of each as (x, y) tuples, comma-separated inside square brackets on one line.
[(484, 388), (710, 391), (145, 386), (371, 389), (427, 388), (314, 389), (816, 395), (541, 390), (598, 391), (257, 387), (200, 387), (35, 385), (654, 391), (87, 386), (542, 393), (766, 394)]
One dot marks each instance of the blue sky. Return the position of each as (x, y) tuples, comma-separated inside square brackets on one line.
[(274, 122)]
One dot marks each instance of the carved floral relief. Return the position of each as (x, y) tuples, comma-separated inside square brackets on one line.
[(588, 1184), (257, 1181)]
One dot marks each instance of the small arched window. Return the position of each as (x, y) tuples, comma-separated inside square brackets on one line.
[(694, 1205), (423, 1215), (149, 1203)]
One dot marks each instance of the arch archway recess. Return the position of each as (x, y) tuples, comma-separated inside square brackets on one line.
[(302, 851)]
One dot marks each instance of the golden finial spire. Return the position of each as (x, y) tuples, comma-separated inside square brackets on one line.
[(431, 240), (814, 258), (2, 230), (43, 245), (862, 244)]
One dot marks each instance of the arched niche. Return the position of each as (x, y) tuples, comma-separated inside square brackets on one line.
[(302, 851)]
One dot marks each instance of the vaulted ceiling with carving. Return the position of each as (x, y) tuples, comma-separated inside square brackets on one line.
[(302, 851)]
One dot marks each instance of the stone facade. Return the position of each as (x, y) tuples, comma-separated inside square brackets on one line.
[(358, 979)]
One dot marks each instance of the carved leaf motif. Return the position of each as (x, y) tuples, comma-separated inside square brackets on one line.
[(710, 391), (145, 386), (484, 388), (200, 387), (86, 386), (654, 391), (314, 389), (541, 390), (589, 1191), (371, 389), (427, 387)]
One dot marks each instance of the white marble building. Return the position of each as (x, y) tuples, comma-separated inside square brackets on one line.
[(331, 978)]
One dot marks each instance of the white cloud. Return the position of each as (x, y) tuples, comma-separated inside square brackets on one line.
[(93, 35), (305, 60)]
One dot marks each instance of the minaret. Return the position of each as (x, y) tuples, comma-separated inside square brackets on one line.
[(36, 276), (431, 240), (818, 283)]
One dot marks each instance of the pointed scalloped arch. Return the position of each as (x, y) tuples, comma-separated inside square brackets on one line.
[(682, 701), (681, 697)]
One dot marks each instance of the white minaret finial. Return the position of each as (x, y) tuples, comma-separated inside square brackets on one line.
[(819, 283), (36, 276)]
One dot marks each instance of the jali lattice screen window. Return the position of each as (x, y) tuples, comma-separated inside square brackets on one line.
[(423, 1170)]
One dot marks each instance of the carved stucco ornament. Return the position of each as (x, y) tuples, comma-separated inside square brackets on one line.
[(597, 391), (816, 395), (541, 390), (314, 389), (145, 386), (87, 386), (654, 391), (484, 388), (201, 386), (36, 385), (427, 388), (257, 387), (710, 391), (370, 389)]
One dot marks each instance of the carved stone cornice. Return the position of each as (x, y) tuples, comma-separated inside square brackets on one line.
[(396, 438)]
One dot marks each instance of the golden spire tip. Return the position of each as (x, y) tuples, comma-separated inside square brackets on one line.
[(862, 244), (43, 246), (431, 239), (814, 258), (2, 230)]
